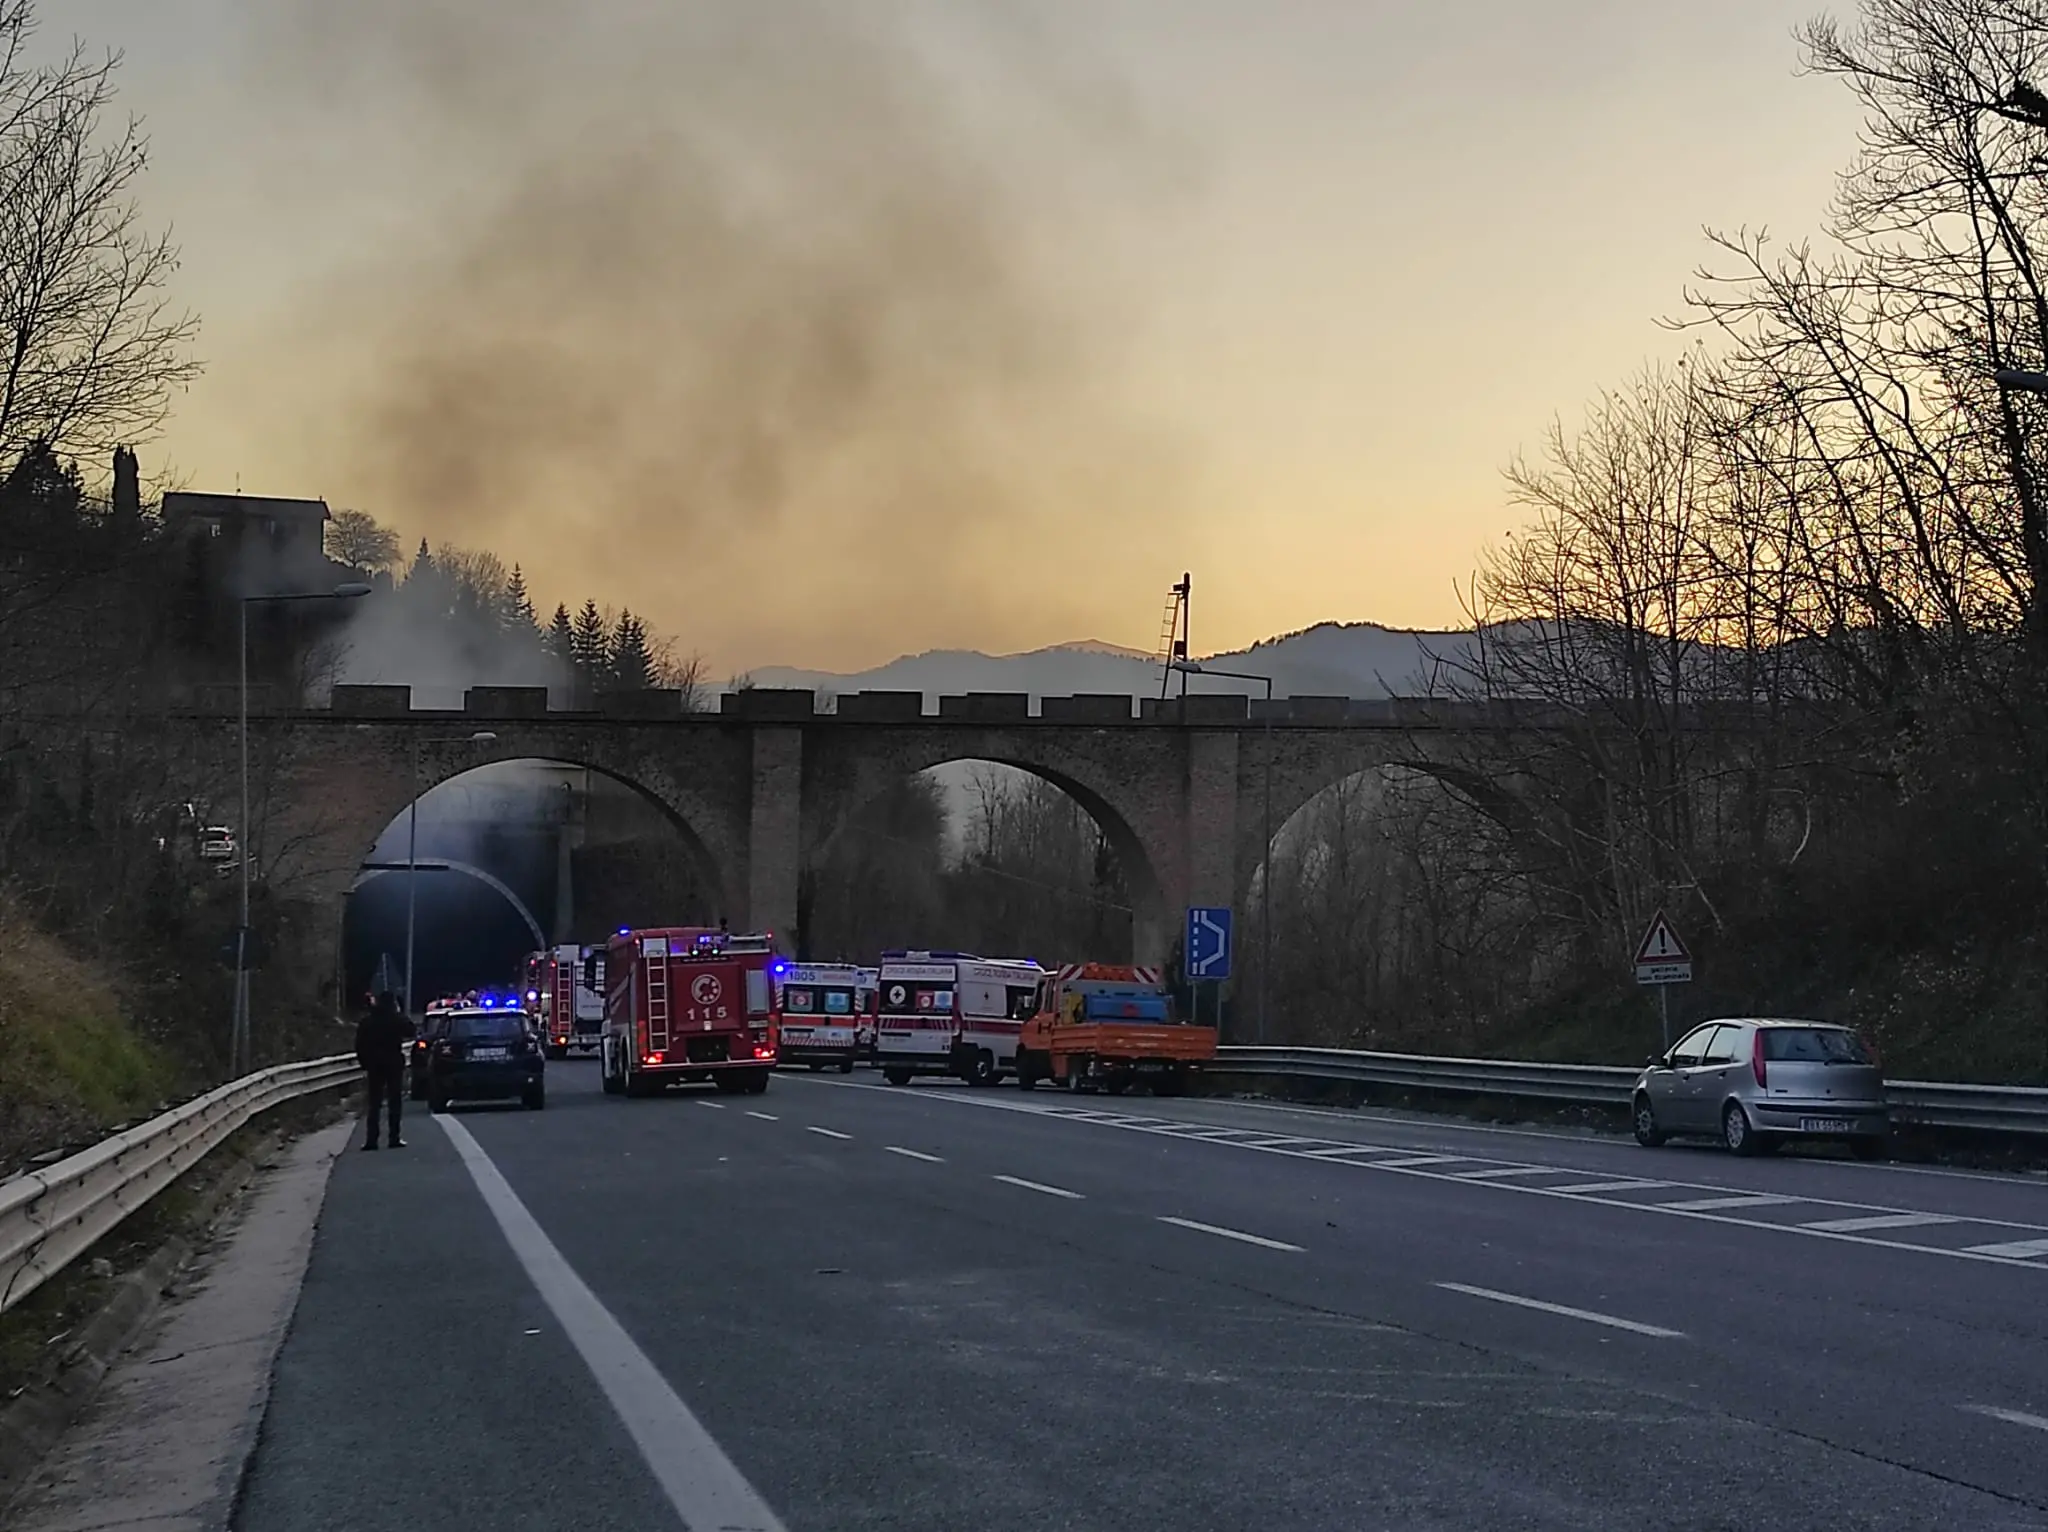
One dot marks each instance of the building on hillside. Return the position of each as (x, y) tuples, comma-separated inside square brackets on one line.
[(254, 543)]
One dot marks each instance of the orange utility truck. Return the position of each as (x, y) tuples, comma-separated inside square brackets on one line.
[(1108, 1026)]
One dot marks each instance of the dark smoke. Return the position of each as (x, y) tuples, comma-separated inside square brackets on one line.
[(764, 317)]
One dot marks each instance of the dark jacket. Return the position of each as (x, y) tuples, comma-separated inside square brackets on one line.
[(381, 1036)]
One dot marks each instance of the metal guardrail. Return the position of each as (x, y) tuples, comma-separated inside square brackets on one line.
[(52, 1216), (2019, 1109)]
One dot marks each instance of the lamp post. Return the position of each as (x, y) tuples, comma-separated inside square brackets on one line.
[(238, 1029), (412, 843), (1193, 668)]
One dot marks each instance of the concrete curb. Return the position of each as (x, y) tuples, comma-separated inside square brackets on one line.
[(32, 1425)]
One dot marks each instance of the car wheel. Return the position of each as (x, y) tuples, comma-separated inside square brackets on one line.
[(1870, 1148), (605, 1077), (757, 1083), (896, 1076), (1738, 1133), (535, 1098), (846, 1065), (1648, 1134), (437, 1104)]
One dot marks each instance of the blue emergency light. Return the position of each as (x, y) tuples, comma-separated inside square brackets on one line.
[(488, 1001)]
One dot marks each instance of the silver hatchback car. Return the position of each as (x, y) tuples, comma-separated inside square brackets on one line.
[(1755, 1083)]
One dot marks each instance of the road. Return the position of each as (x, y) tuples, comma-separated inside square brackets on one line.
[(848, 1306)]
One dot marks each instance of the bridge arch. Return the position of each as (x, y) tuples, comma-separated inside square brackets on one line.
[(1091, 784), (468, 870)]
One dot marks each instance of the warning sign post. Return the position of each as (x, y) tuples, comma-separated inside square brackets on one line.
[(1663, 960)]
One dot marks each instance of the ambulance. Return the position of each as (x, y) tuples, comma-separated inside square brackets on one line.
[(952, 1013), (818, 1014)]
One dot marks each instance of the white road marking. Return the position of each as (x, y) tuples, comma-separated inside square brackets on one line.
[(1521, 1170), (827, 1132), (701, 1482), (2010, 1417), (765, 1116), (913, 1154), (1329, 1152), (1608, 1186), (1882, 1221), (1425, 1159), (1613, 1321), (1236, 1234), (716, 1106), (1040, 1186), (2017, 1250), (1746, 1200)]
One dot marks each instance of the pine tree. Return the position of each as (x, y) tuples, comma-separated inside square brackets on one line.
[(516, 614), (632, 667), (561, 637), (590, 648)]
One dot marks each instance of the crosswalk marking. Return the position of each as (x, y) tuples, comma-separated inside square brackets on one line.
[(1611, 1186), (1747, 1200)]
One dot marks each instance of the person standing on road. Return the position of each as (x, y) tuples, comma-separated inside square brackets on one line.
[(381, 1037)]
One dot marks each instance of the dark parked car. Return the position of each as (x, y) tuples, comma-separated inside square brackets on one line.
[(485, 1054)]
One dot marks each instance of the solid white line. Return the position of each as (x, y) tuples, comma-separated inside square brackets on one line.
[(827, 1132), (2010, 1417), (1037, 1186), (1423, 1159), (1236, 1234), (2022, 1250), (1747, 1200), (1882, 1221), (1588, 1315), (913, 1154), (765, 1116), (1608, 1186), (716, 1106), (701, 1482)]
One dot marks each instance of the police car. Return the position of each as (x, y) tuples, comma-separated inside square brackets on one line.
[(488, 1051)]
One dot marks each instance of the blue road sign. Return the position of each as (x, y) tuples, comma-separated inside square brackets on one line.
[(1208, 943)]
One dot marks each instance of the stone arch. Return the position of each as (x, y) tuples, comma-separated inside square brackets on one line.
[(682, 810), (468, 870), (1086, 782)]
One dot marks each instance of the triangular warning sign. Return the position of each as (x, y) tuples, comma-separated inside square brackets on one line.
[(1660, 944)]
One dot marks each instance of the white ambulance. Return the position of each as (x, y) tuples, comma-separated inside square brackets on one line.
[(818, 1013), (952, 1013)]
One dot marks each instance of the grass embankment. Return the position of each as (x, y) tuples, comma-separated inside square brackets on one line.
[(71, 1065)]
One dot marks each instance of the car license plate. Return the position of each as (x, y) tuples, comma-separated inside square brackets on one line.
[(487, 1053), (1825, 1125)]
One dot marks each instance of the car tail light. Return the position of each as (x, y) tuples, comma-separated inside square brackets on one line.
[(652, 1058), (763, 1053), (1756, 1058)]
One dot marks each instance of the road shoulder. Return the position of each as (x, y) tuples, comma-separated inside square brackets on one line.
[(164, 1447)]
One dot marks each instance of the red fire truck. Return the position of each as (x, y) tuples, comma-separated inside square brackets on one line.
[(688, 1003)]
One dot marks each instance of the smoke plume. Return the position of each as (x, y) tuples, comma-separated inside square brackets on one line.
[(763, 317)]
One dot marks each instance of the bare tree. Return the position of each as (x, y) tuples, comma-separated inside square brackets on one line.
[(359, 540), (93, 349)]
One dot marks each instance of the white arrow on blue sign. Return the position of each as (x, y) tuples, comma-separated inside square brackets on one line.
[(1208, 943)]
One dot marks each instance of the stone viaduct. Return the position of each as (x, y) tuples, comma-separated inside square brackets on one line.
[(761, 789)]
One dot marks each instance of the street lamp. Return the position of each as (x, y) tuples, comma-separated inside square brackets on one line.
[(412, 844), (238, 1039), (1193, 668)]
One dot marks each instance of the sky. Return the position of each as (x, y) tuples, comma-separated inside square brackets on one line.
[(823, 331)]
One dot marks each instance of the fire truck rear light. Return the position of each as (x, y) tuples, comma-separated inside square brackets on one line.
[(764, 1053), (653, 1058)]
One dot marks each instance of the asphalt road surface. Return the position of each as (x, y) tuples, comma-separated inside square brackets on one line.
[(841, 1305)]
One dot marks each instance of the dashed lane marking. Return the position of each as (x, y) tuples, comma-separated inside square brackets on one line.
[(2010, 1417), (826, 1132), (913, 1154), (1883, 1221), (765, 1116), (1040, 1186), (1612, 1321), (1237, 1234)]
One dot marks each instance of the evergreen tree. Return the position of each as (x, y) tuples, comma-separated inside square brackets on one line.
[(518, 616), (561, 637), (590, 647), (632, 666)]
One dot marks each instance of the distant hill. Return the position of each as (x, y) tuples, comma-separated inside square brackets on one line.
[(1358, 659)]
